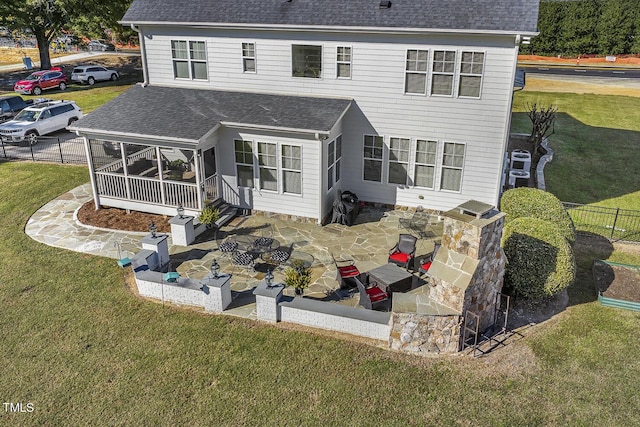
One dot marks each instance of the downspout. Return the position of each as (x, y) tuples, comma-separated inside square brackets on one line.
[(143, 55)]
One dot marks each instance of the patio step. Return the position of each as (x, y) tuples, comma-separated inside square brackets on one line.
[(227, 212)]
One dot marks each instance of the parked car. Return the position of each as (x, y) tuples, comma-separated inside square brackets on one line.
[(100, 45), (90, 74), (38, 81), (10, 105), (40, 120)]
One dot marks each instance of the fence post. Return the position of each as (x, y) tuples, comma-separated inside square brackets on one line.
[(4, 153), (60, 150), (615, 221), (33, 157)]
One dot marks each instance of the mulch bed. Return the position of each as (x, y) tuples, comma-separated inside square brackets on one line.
[(119, 219), (617, 282)]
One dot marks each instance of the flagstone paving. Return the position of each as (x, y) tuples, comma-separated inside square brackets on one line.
[(367, 242)]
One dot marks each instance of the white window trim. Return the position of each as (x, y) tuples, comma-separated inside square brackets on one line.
[(389, 161), (276, 167), (459, 72), (254, 57), (337, 161), (189, 60), (322, 61), (282, 169), (453, 74), (350, 62), (382, 160), (426, 73), (415, 163), (442, 167), (253, 162)]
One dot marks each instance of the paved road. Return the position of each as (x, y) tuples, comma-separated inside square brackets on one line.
[(68, 58), (586, 71)]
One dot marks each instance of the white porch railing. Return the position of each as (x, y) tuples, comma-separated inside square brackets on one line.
[(179, 192), (145, 190), (211, 187), (111, 185)]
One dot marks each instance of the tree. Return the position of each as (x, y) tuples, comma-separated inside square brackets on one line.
[(542, 121), (578, 29), (615, 26)]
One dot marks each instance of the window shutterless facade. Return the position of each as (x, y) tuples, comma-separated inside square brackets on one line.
[(452, 164), (416, 72), (249, 57), (442, 72), (398, 160), (189, 59), (343, 62), (425, 163), (471, 71), (373, 149), (291, 161), (306, 61), (244, 162), (268, 166)]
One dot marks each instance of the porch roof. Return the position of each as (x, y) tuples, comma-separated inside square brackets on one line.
[(189, 114)]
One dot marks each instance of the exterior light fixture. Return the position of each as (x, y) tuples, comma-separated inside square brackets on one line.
[(153, 229), (268, 278), (180, 210), (215, 269)]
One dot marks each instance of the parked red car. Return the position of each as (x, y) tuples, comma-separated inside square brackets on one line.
[(36, 82)]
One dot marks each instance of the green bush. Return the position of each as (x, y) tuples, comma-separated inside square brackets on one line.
[(534, 203), (209, 216), (540, 259)]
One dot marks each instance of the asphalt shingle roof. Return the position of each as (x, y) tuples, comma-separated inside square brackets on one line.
[(190, 113), (511, 16)]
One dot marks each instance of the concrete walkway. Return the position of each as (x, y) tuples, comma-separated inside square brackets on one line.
[(367, 242)]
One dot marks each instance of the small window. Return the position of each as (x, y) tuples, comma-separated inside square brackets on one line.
[(306, 61), (452, 164), (373, 146), (291, 169), (244, 163), (399, 160), (249, 57), (443, 68), (416, 72), (425, 165), (471, 70), (268, 166), (343, 62), (331, 160)]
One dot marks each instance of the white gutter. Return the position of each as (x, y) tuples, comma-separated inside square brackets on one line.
[(275, 128), (143, 55), (135, 136), (330, 28)]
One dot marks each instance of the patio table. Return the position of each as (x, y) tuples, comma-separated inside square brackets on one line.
[(391, 278), (305, 259)]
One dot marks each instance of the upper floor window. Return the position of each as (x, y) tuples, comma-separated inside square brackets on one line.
[(268, 166), (291, 169), (398, 160), (471, 69), (249, 57), (244, 162), (443, 68), (343, 62), (189, 59), (373, 146), (416, 71), (452, 163), (306, 61), (425, 165)]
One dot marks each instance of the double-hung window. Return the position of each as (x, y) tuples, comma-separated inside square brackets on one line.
[(452, 164), (416, 71), (334, 158), (244, 162), (306, 61), (373, 148), (268, 166), (291, 169), (471, 69), (249, 57), (425, 164), (189, 59), (398, 160), (343, 62), (443, 68)]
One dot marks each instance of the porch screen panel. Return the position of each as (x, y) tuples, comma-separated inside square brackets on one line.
[(292, 169), (268, 165)]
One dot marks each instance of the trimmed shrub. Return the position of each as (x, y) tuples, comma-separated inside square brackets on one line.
[(534, 203), (540, 259)]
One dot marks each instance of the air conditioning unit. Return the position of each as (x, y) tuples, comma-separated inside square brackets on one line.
[(521, 160), (518, 178)]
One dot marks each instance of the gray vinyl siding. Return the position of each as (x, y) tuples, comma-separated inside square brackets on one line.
[(377, 86)]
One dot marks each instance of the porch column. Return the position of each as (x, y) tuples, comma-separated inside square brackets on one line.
[(92, 174), (199, 178), (163, 197), (125, 170)]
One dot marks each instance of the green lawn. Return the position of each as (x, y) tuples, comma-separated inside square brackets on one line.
[(596, 142), (85, 351)]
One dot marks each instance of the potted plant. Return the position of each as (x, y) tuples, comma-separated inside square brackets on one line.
[(176, 167), (297, 276), (209, 216)]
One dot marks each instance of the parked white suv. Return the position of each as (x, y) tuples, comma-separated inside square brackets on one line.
[(40, 120), (93, 73)]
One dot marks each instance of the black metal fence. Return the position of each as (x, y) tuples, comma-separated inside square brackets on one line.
[(59, 149), (613, 223)]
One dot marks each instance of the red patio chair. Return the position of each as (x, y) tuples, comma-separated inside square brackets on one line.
[(371, 296), (402, 253), (346, 272), (425, 263)]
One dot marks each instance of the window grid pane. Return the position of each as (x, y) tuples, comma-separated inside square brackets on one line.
[(343, 62), (306, 61), (373, 158), (416, 72), (442, 72), (398, 160), (452, 163), (425, 163), (244, 162), (189, 59), (471, 71), (248, 57), (268, 163)]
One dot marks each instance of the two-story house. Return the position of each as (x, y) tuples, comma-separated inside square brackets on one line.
[(274, 105)]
